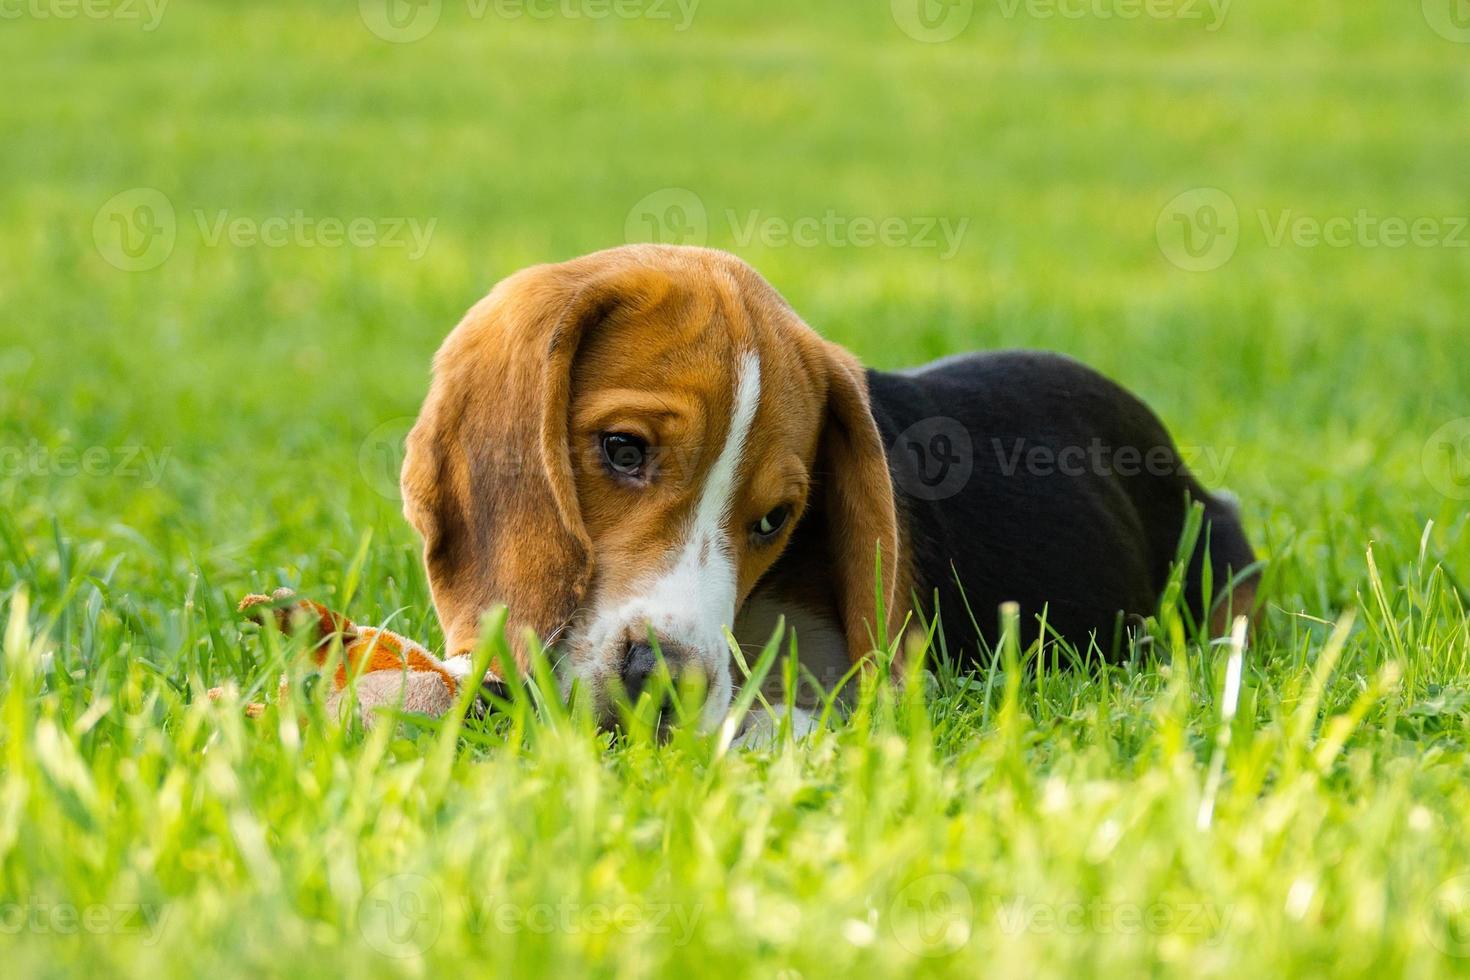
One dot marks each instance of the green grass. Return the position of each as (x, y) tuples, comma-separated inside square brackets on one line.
[(242, 403)]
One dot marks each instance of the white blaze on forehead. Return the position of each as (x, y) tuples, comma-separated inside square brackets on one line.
[(694, 600), (691, 601), (719, 487)]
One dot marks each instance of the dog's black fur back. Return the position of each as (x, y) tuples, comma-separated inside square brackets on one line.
[(1027, 476)]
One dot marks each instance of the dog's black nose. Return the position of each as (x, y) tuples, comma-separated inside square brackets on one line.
[(640, 666)]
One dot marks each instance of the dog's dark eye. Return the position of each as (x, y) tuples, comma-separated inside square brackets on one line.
[(767, 526), (625, 454)]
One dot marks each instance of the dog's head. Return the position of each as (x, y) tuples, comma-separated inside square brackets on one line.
[(621, 446)]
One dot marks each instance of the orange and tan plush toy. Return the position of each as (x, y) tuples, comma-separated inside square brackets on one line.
[(392, 671)]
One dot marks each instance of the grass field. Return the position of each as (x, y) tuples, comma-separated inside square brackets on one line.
[(232, 235)]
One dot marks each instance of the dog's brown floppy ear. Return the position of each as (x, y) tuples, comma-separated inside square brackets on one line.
[(860, 510), (487, 480)]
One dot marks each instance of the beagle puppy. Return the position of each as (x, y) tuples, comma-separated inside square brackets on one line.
[(648, 444)]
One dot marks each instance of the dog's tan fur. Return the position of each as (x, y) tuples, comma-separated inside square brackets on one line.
[(502, 476)]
